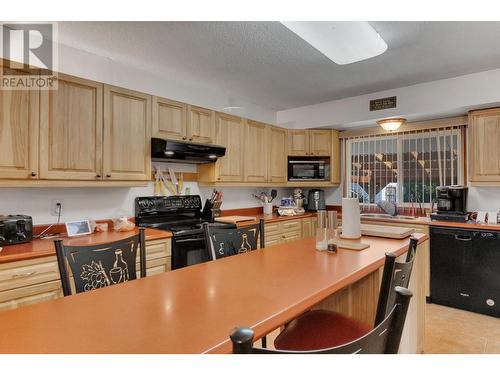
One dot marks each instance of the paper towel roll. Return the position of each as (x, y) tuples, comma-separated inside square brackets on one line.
[(351, 221)]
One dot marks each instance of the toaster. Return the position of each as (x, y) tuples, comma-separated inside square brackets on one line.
[(15, 229)]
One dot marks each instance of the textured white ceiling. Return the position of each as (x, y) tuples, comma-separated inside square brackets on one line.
[(270, 64)]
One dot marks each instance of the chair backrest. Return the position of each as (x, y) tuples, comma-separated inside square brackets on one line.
[(394, 274), (383, 339), (101, 265), (224, 242)]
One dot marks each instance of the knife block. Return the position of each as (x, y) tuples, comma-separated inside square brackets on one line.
[(209, 213)]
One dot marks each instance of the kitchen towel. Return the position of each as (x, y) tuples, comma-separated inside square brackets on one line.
[(351, 221)]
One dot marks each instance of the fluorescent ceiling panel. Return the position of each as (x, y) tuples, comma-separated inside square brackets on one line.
[(342, 42)]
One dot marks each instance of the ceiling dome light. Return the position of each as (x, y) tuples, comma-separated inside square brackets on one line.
[(343, 42), (391, 124)]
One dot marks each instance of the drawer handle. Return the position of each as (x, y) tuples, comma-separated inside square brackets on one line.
[(18, 275), (462, 237)]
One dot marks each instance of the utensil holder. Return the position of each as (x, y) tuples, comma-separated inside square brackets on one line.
[(210, 212), (268, 208)]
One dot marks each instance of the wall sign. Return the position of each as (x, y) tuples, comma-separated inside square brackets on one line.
[(384, 103)]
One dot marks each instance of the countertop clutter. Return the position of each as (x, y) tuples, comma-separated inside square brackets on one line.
[(45, 247), (172, 301)]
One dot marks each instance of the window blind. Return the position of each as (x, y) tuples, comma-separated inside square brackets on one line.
[(404, 168)]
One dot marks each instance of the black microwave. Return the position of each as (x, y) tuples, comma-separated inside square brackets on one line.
[(308, 169)]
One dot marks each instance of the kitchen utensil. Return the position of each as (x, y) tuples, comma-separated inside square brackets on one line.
[(274, 194), (157, 183), (173, 178), (181, 183)]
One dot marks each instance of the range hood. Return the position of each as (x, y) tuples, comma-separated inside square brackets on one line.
[(184, 152)]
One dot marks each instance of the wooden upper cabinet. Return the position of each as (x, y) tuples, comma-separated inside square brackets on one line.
[(19, 126), (277, 154), (484, 150), (71, 130), (230, 132), (335, 158), (169, 119), (298, 142), (320, 142), (200, 124), (127, 134), (256, 152)]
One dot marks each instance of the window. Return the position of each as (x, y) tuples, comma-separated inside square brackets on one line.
[(404, 168)]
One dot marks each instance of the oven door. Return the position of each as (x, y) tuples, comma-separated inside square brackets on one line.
[(299, 170), (188, 250)]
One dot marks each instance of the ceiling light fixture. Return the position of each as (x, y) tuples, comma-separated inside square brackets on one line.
[(391, 124), (343, 42)]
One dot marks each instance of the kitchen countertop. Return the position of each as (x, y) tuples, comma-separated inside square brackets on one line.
[(193, 309), (427, 221), (45, 247), (40, 248)]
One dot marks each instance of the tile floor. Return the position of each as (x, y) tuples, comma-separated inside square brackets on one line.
[(453, 331)]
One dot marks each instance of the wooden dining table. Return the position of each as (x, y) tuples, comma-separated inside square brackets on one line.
[(193, 310)]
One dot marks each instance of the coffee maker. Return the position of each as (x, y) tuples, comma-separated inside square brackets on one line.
[(451, 203), (316, 200)]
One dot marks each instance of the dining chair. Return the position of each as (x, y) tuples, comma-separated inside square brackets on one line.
[(383, 339), (320, 329), (102, 265), (223, 242)]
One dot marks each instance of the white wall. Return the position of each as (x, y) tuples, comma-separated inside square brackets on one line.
[(483, 199), (109, 202), (103, 203), (430, 100)]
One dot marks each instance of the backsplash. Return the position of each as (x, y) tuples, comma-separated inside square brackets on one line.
[(105, 203)]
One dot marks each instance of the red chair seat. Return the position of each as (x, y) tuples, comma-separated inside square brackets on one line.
[(320, 329)]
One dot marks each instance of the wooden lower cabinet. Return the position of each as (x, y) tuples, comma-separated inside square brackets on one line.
[(359, 301), (36, 280), (287, 230)]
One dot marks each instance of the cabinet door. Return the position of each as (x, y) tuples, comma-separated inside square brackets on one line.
[(230, 133), (335, 158), (320, 142), (200, 125), (298, 142), (485, 153), (127, 133), (71, 130), (256, 152), (306, 227), (19, 122), (277, 154), (169, 119)]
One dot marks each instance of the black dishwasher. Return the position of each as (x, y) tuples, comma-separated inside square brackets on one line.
[(465, 269)]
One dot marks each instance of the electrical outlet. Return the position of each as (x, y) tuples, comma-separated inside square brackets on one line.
[(56, 207)]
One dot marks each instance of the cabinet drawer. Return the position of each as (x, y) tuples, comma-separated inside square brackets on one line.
[(289, 237), (29, 300), (31, 290), (271, 228), (28, 274), (273, 241), (158, 246), (291, 225)]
